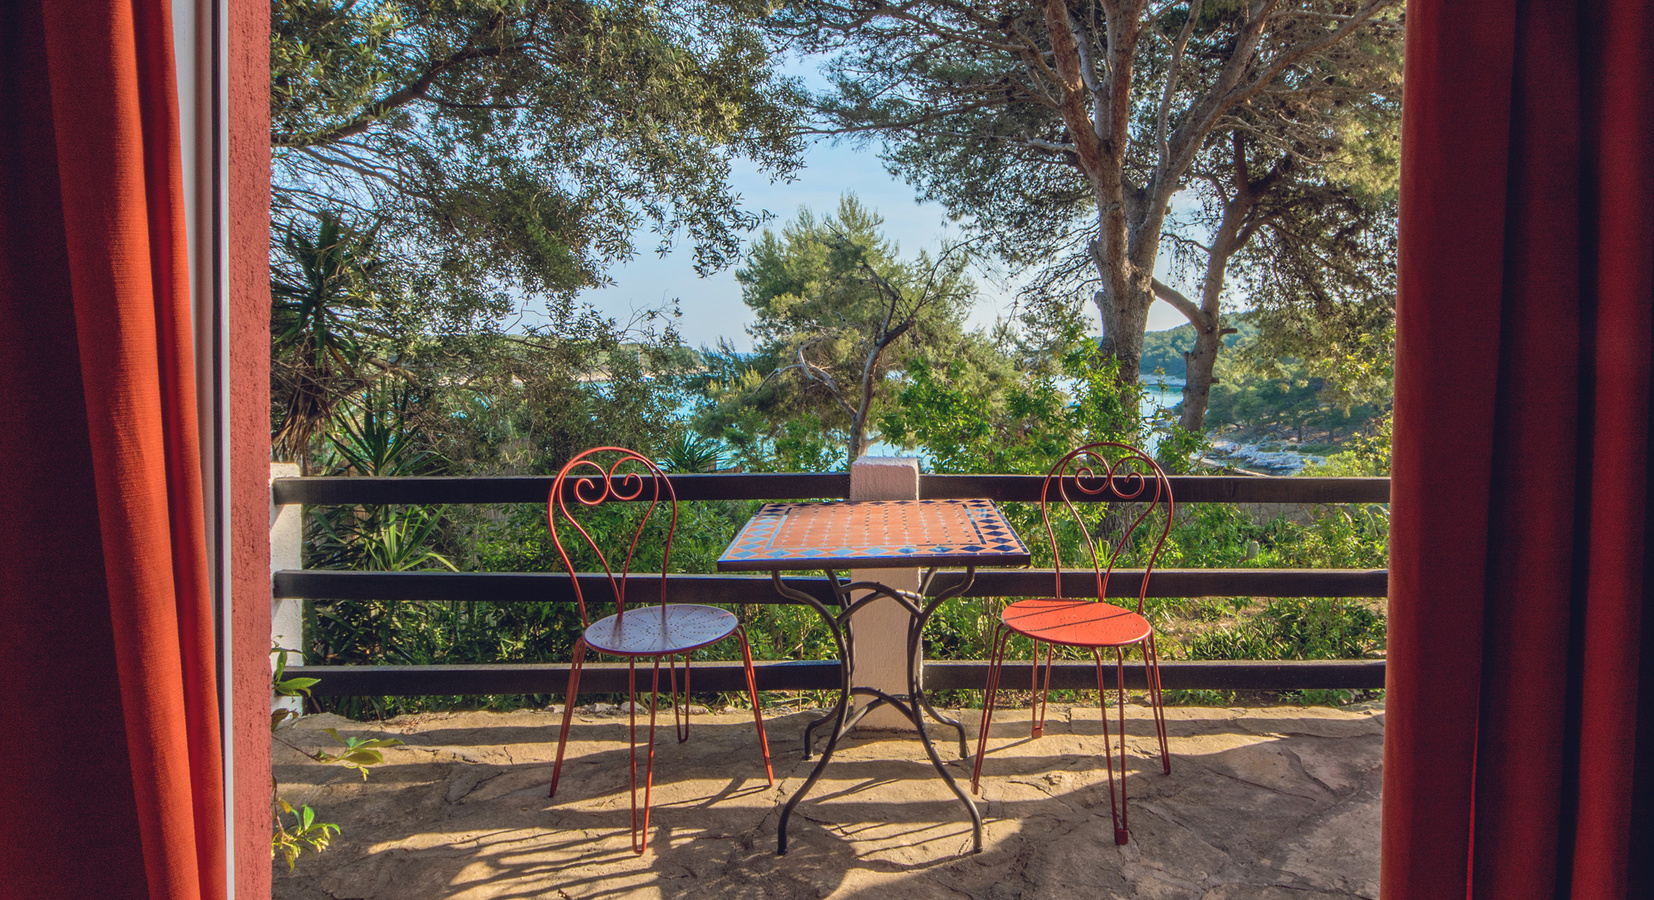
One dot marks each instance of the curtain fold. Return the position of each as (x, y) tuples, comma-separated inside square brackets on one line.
[(94, 195), (1520, 500)]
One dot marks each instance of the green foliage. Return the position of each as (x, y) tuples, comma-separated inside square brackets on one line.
[(525, 404), (359, 754), (1163, 350), (691, 453), (1335, 395), (287, 687), (800, 444), (1296, 628), (372, 440), (1029, 424), (803, 445), (1368, 455), (514, 146), (372, 437), (325, 325), (289, 840), (961, 100), (838, 313), (1349, 349)]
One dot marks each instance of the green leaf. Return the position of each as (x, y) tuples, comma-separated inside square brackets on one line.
[(292, 687)]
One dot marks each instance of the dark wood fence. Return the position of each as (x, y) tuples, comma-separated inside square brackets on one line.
[(521, 587)]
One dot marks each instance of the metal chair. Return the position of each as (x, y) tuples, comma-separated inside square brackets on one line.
[(635, 632), (1096, 472)]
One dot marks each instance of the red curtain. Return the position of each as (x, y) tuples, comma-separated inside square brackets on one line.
[(110, 774), (1521, 668)]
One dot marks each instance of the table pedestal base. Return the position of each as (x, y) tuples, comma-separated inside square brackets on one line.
[(914, 705)]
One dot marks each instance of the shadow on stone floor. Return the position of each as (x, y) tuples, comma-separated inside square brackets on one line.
[(1261, 803)]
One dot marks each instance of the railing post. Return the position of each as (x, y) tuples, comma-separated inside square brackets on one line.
[(880, 655), (286, 552)]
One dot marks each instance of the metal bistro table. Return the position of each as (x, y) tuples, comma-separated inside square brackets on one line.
[(873, 534)]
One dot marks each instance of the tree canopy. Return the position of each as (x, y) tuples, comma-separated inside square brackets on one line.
[(438, 167), (837, 311), (511, 148), (1064, 130)]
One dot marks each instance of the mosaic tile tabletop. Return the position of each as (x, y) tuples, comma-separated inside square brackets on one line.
[(872, 534)]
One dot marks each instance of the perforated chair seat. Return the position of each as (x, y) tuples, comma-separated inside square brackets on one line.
[(646, 632), (1076, 623)]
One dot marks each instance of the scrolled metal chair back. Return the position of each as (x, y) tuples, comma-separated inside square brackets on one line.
[(590, 480), (1101, 472)]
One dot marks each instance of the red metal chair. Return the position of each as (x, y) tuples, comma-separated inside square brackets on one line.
[(635, 632), (1103, 471)]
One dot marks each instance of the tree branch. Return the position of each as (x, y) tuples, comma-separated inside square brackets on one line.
[(1162, 138), (1182, 304), (815, 373), (1287, 58), (402, 96), (1068, 63)]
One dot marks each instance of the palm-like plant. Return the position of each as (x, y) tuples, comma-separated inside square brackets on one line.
[(371, 439), (691, 453), (321, 297)]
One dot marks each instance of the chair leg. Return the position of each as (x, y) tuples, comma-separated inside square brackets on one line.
[(1116, 799), (680, 703), (640, 832), (997, 640), (1151, 661), (568, 710), (752, 693), (1037, 700), (1120, 825)]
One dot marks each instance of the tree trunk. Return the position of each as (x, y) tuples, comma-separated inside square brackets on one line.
[(1123, 327), (1197, 382), (864, 409), (1123, 315), (1237, 227)]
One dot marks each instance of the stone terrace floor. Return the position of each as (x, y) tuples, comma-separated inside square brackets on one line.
[(1262, 804)]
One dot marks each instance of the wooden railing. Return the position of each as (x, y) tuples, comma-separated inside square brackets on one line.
[(521, 587)]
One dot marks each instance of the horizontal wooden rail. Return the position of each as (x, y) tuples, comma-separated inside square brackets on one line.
[(1231, 675), (1185, 489), (553, 678), (801, 486), (610, 678), (536, 488), (524, 587)]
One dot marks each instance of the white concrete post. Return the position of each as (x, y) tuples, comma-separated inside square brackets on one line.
[(880, 656), (286, 552)]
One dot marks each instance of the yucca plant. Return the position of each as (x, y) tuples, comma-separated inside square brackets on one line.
[(691, 453), (321, 305), (371, 438)]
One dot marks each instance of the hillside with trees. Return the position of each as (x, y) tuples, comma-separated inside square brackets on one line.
[(1261, 396)]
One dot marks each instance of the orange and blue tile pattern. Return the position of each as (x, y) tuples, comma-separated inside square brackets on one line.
[(873, 534)]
